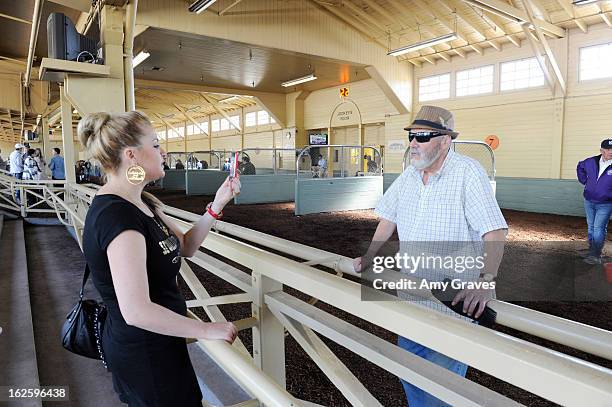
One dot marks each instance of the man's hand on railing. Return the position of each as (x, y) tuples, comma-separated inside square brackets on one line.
[(357, 264), (225, 331)]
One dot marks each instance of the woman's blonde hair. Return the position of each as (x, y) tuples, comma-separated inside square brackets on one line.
[(105, 136)]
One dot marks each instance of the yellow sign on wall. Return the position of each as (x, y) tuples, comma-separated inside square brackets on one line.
[(344, 92)]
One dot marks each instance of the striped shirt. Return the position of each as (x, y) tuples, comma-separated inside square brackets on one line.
[(456, 206)]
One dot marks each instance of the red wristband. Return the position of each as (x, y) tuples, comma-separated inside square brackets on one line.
[(212, 213)]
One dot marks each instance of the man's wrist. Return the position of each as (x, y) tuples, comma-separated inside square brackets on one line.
[(487, 277)]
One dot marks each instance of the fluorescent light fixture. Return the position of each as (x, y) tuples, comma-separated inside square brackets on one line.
[(486, 7), (423, 44), (138, 59), (297, 81), (199, 6), (583, 2)]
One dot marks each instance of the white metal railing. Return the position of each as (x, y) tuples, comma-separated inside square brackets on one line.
[(478, 150), (33, 195), (555, 376), (343, 159)]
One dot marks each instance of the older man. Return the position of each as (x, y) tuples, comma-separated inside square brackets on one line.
[(595, 173), (16, 165), (441, 197)]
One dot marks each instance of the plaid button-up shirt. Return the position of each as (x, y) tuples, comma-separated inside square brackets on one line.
[(456, 205)]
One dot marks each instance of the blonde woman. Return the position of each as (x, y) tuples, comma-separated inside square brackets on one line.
[(134, 253)]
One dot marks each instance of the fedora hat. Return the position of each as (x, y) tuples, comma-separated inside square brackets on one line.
[(434, 118)]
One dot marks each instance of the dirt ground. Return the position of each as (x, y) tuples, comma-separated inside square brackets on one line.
[(546, 243)]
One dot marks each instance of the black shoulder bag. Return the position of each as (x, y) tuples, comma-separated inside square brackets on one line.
[(82, 330)]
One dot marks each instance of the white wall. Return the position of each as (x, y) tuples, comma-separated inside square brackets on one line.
[(538, 139)]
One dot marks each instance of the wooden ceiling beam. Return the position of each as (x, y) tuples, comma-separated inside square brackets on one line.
[(222, 113), (444, 56), (416, 63), (168, 124), (430, 59), (459, 52), (190, 118), (477, 48), (467, 20), (228, 8), (347, 20), (440, 18), (551, 29), (365, 16)]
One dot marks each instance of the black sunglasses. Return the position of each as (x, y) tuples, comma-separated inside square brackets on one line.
[(423, 136)]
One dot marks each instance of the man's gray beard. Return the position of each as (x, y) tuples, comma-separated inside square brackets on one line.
[(427, 160)]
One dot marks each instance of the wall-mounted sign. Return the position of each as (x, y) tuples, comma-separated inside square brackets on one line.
[(344, 92), (396, 146), (345, 114), (492, 141)]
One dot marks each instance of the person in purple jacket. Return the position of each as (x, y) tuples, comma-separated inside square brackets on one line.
[(595, 173)]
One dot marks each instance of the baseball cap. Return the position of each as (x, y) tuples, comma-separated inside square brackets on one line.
[(607, 143), (18, 146)]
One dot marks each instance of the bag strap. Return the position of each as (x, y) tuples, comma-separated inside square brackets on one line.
[(85, 277)]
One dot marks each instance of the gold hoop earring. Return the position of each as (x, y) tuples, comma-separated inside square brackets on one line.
[(135, 174)]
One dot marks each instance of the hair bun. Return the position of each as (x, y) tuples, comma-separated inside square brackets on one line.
[(90, 125)]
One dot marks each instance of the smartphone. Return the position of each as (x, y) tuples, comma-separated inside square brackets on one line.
[(234, 165)]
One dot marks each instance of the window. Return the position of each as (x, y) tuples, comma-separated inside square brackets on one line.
[(192, 129), (263, 117), (161, 134), (235, 121), (204, 126), (434, 87), (250, 119), (179, 131), (272, 121), (475, 81), (172, 133), (524, 73), (224, 124), (596, 62), (215, 125)]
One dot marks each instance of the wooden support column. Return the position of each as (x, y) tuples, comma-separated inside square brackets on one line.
[(268, 333), (67, 137), (185, 133), (45, 137)]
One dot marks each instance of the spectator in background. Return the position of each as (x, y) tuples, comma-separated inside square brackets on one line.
[(16, 161), (226, 165), (371, 164), (57, 165), (16, 166), (31, 170), (165, 158), (320, 171), (42, 164), (595, 173), (179, 165), (247, 167)]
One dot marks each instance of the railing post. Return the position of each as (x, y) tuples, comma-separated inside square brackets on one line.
[(269, 333), (23, 200)]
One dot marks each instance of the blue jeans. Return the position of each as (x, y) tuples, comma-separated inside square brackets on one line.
[(415, 396), (598, 216), (18, 175)]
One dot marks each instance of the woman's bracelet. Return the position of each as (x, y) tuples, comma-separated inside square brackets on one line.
[(212, 213)]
